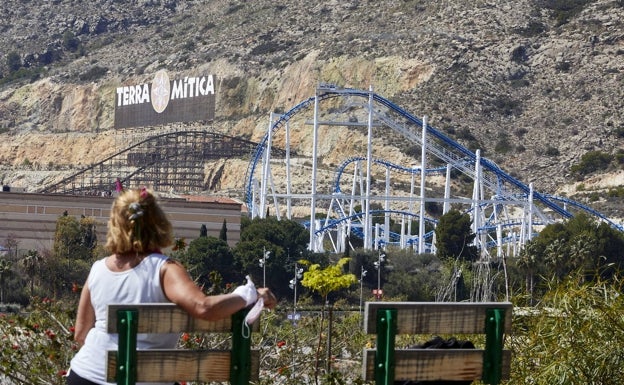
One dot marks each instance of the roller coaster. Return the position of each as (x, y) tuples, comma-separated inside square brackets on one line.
[(387, 190), (169, 161), (505, 212)]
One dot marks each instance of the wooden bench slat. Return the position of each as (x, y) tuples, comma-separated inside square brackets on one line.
[(437, 317), (167, 318), (435, 364), (170, 365)]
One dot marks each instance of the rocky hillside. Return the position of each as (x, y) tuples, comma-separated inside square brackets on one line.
[(534, 84)]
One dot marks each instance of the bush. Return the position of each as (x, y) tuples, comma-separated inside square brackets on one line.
[(38, 344), (591, 162), (552, 151), (94, 73), (70, 42), (14, 61), (564, 10), (574, 336)]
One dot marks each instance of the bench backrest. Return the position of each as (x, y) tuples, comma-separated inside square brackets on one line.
[(126, 366), (385, 364)]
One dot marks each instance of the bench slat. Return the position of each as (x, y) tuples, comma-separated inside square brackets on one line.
[(435, 364), (166, 318), (437, 317), (170, 365)]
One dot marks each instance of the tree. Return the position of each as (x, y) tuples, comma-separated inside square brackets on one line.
[(5, 271), (325, 281), (414, 277), (75, 239), (12, 244), (73, 252), (32, 264), (454, 237), (223, 232), (573, 336), (70, 41), (14, 61), (206, 255), (576, 244), (286, 240)]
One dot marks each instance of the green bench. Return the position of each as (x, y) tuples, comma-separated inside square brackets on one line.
[(386, 364), (127, 365)]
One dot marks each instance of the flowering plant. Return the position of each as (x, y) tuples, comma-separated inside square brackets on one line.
[(37, 344)]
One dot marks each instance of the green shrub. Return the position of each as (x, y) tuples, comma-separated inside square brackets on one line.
[(563, 10), (552, 151), (94, 73), (591, 162), (575, 336), (13, 61)]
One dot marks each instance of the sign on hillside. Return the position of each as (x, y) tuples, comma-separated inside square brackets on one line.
[(162, 101)]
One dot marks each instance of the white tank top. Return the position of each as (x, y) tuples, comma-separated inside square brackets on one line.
[(138, 285)]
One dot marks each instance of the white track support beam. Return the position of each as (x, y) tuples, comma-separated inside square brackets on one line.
[(288, 181), (386, 236), (411, 201), (476, 198), (369, 160), (265, 170), (423, 167), (312, 244), (530, 224), (447, 190)]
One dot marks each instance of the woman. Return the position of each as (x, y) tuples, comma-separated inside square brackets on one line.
[(137, 272)]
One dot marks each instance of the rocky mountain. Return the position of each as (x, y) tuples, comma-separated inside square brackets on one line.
[(535, 84)]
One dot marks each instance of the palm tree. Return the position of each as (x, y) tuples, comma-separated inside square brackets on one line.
[(5, 271), (31, 263)]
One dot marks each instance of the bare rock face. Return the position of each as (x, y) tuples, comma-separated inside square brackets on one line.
[(533, 86)]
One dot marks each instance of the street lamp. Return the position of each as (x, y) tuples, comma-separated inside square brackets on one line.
[(295, 316), (263, 261), (293, 285), (362, 275), (377, 264)]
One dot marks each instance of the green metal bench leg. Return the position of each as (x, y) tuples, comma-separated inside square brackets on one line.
[(127, 321), (240, 361), (384, 356), (493, 355)]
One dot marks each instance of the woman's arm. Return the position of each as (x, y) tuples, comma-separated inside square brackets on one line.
[(85, 318), (181, 290)]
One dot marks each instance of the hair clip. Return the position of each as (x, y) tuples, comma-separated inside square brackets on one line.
[(136, 210)]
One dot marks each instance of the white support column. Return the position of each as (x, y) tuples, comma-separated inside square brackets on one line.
[(447, 190), (368, 242), (288, 180), (387, 208), (402, 241), (312, 244), (254, 198), (411, 201), (476, 198), (423, 168), (530, 224), (266, 170)]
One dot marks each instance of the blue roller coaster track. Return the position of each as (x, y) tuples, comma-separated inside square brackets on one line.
[(503, 185)]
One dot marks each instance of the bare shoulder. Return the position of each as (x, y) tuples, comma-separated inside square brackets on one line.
[(173, 268)]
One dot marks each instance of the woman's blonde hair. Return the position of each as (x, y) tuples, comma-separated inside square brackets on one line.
[(137, 224)]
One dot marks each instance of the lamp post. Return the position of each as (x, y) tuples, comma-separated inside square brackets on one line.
[(293, 285), (362, 275), (377, 264), (263, 262)]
